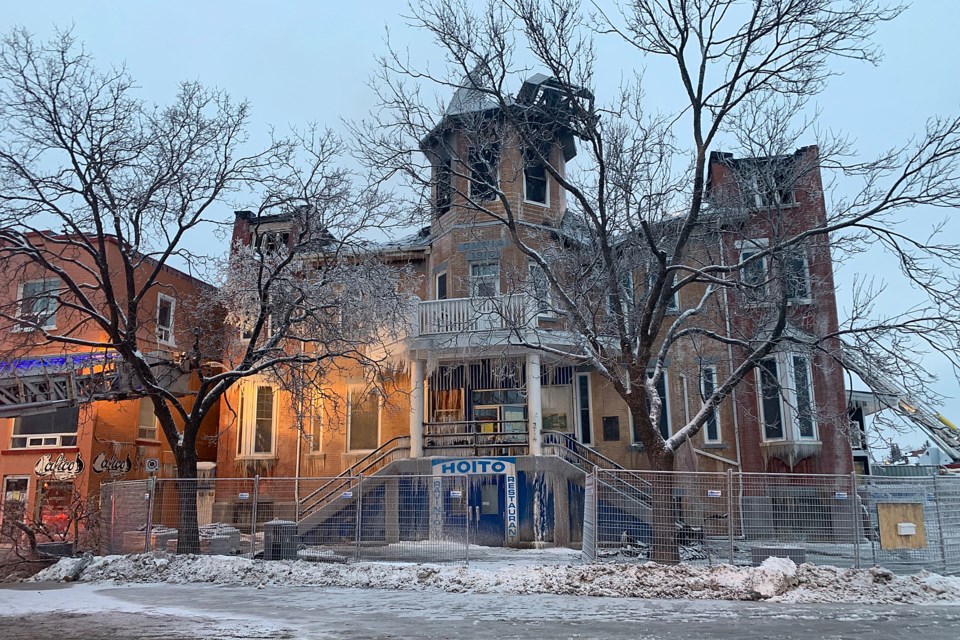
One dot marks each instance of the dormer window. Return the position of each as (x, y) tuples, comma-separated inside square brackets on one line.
[(272, 241)]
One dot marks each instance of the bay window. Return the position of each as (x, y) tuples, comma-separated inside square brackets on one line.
[(786, 398)]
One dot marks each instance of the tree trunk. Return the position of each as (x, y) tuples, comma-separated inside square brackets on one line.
[(188, 531), (664, 547)]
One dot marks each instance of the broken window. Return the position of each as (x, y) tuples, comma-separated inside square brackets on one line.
[(443, 186), (484, 172), (534, 179)]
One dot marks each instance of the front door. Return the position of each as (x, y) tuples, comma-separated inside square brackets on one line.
[(486, 510), (14, 502)]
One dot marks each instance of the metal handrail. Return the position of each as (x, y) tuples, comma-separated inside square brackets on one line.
[(350, 473), (565, 440)]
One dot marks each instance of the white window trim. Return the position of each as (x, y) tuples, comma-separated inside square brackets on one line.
[(716, 410), (808, 299), (473, 280), (170, 340), (749, 247), (22, 328), (365, 391), (155, 426), (788, 399), (546, 177), (247, 421), (576, 404), (548, 296)]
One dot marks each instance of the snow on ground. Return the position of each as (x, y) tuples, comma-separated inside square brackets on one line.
[(777, 579)]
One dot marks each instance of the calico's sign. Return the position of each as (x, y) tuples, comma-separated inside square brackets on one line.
[(59, 469), (116, 467)]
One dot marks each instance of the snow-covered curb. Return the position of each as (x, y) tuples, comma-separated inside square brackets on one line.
[(777, 579)]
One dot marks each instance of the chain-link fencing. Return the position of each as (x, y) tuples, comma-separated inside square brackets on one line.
[(905, 524)]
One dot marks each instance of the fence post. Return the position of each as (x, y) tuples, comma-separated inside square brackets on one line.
[(854, 502), (943, 545), (359, 513), (253, 517), (730, 516), (151, 484)]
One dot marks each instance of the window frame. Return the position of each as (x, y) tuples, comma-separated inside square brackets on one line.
[(546, 183), (170, 339), (754, 292), (369, 392), (788, 274), (579, 408), (788, 398), (715, 412), (317, 426), (44, 440), (247, 421), (443, 185), (482, 191), (155, 427), (446, 286), (475, 280), (50, 321)]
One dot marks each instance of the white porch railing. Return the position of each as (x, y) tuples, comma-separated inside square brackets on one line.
[(460, 315)]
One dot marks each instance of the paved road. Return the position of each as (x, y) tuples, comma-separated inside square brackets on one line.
[(191, 612)]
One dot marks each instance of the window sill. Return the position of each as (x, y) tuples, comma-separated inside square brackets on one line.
[(16, 329), (542, 205), (258, 456), (714, 445), (772, 443), (799, 302)]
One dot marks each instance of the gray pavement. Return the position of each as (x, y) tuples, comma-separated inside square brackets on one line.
[(190, 612)]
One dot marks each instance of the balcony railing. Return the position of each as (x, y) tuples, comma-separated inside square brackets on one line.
[(476, 438), (460, 315)]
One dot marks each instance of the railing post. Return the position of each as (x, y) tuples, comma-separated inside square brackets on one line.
[(943, 544), (854, 499), (253, 517), (731, 548), (359, 513), (151, 486)]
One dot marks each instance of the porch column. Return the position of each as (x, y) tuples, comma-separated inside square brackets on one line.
[(416, 409), (534, 404)]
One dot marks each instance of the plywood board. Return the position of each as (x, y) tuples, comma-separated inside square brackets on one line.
[(889, 514)]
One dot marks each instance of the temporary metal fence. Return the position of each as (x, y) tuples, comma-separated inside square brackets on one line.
[(392, 518), (905, 524)]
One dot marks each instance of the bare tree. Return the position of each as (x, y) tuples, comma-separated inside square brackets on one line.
[(644, 224), (100, 193)]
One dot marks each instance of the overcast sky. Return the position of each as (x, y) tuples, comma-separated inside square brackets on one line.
[(300, 62)]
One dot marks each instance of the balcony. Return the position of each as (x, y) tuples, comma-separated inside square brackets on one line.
[(478, 438), (465, 315)]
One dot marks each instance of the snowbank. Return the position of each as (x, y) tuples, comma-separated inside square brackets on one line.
[(777, 579)]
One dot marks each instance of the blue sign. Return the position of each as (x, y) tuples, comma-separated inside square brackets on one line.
[(475, 466)]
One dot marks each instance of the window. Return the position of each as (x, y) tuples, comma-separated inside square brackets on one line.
[(147, 421), (673, 304), (165, 308), (664, 424), (273, 241), (57, 428), (363, 420), (771, 185), (583, 408), (314, 424), (797, 277), (37, 304), (54, 501), (540, 288), (484, 280), (483, 172), (258, 419), (625, 284), (535, 180), (708, 384), (611, 428), (442, 286), (786, 401), (753, 275), (443, 185)]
